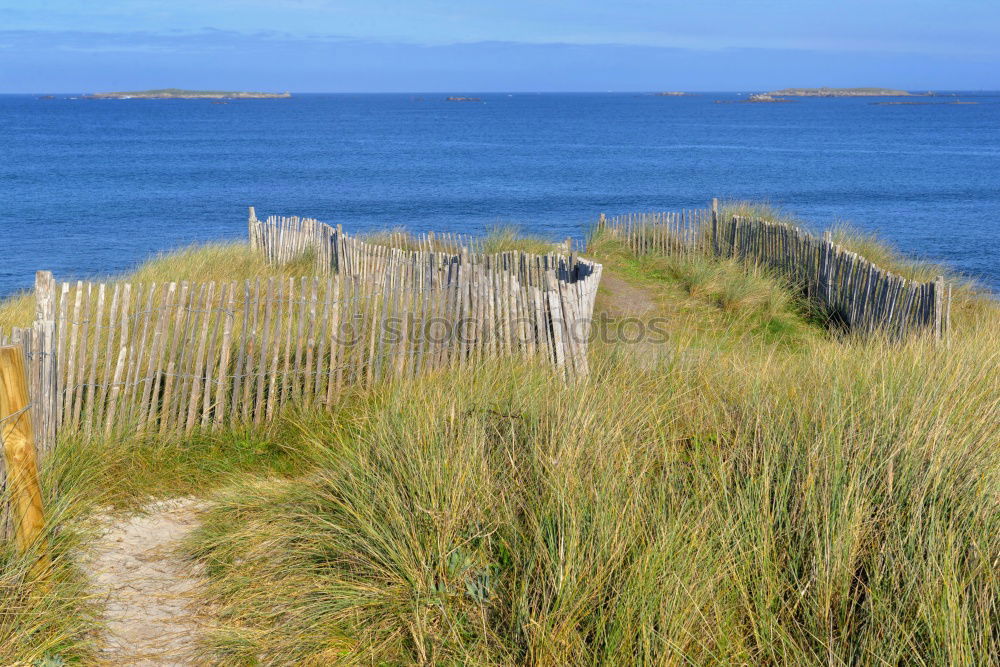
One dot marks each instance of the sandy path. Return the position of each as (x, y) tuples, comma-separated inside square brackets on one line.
[(151, 614), (619, 298)]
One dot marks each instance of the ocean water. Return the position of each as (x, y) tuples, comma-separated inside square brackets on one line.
[(90, 187)]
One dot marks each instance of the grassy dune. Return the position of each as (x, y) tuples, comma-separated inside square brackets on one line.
[(220, 262), (748, 488), (706, 510), (753, 490)]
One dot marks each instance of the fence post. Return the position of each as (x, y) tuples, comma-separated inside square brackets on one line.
[(947, 319), (44, 361), (715, 225), (252, 229), (825, 257), (19, 453), (939, 303)]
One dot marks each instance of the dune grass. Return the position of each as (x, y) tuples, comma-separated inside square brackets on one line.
[(752, 489), (745, 508), (221, 262), (53, 619), (759, 491), (503, 238)]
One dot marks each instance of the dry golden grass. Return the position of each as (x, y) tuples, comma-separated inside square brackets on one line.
[(751, 490), (221, 262), (833, 504)]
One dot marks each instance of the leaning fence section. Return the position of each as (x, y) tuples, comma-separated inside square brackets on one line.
[(853, 291), (282, 240), (566, 285)]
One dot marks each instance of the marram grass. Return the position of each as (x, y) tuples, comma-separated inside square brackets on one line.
[(221, 262), (751, 490), (837, 507)]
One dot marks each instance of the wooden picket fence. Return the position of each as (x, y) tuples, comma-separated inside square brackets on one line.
[(175, 356), (564, 285), (681, 233), (285, 239), (106, 358), (857, 293), (854, 292)]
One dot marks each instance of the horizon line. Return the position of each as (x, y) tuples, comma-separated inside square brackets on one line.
[(503, 92)]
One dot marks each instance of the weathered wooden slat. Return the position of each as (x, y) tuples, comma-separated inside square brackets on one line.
[(257, 409), (110, 354), (62, 333), (218, 315), (123, 345), (188, 359), (198, 365), (302, 305), (223, 372), (71, 377), (179, 315), (134, 377), (252, 340), (308, 371), (154, 370)]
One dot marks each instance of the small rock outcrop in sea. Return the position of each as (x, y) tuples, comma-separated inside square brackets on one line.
[(765, 98)]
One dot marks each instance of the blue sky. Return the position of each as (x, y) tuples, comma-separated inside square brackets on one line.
[(510, 45)]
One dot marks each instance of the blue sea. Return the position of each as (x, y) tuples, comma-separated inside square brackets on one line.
[(91, 187)]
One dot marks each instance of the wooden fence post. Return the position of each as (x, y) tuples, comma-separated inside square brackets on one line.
[(45, 396), (826, 257), (947, 319), (715, 225), (19, 453), (939, 307)]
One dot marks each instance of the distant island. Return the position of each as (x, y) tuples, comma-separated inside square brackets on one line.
[(455, 98), (180, 94), (839, 92), (765, 98), (672, 93), (756, 98)]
